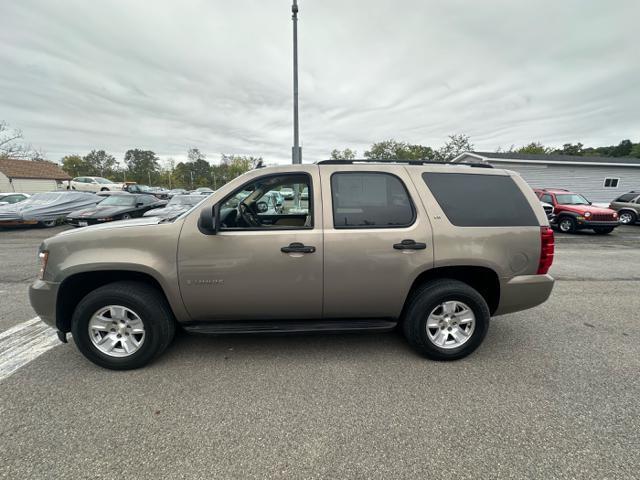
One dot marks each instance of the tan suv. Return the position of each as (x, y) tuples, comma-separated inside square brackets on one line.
[(435, 249)]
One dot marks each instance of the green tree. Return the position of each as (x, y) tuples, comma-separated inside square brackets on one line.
[(393, 150), (534, 148), (457, 144), (623, 149), (101, 163), (75, 166), (635, 151), (142, 165), (346, 154), (571, 149)]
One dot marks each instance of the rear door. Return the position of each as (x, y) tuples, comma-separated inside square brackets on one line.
[(377, 239)]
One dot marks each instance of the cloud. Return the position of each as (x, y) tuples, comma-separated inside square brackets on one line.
[(215, 74)]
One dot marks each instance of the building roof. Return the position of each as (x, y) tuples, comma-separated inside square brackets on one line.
[(550, 159), (32, 169)]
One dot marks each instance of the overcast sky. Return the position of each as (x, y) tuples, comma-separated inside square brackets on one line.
[(167, 75)]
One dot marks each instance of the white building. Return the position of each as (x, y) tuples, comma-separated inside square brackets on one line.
[(599, 179), (28, 176)]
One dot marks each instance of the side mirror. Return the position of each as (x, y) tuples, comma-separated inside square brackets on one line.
[(139, 204), (262, 207), (207, 221)]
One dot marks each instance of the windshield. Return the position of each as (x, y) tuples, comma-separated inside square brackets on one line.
[(571, 199), (102, 180), (118, 200), (186, 200)]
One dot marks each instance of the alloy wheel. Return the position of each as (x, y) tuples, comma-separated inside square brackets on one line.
[(116, 331), (450, 324), (626, 218), (565, 225)]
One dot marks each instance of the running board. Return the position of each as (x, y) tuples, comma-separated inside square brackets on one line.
[(289, 326)]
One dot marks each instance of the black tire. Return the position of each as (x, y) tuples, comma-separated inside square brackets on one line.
[(125, 216), (105, 189), (567, 225), (632, 216), (603, 230), (425, 300), (48, 223), (148, 303)]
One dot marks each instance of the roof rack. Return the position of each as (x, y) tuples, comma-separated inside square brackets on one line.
[(403, 162)]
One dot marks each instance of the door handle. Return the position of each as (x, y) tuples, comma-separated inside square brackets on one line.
[(297, 247), (409, 245)]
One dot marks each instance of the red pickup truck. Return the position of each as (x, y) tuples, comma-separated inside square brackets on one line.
[(574, 212)]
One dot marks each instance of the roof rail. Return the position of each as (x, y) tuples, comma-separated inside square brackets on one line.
[(399, 161)]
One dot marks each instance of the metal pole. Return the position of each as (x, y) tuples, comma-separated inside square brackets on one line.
[(296, 152)]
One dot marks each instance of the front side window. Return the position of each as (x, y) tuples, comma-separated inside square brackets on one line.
[(273, 202), (370, 200)]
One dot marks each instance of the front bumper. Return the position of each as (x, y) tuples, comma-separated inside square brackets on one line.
[(523, 292), (43, 296), (584, 223)]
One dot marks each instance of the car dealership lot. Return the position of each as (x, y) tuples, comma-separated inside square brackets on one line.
[(552, 393)]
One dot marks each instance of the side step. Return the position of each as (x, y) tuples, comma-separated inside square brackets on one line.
[(289, 326)]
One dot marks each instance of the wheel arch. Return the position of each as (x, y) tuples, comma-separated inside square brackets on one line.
[(483, 279), (75, 287)]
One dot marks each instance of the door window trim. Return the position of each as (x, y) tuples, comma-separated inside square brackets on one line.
[(414, 213), (269, 228)]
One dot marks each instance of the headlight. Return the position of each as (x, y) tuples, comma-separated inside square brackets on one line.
[(44, 257), (587, 214), (615, 215)]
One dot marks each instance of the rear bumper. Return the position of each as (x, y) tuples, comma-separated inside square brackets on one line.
[(43, 296), (523, 292)]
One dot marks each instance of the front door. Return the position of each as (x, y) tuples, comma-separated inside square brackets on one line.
[(261, 263), (377, 240)]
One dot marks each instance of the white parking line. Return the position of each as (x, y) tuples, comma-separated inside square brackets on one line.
[(23, 343)]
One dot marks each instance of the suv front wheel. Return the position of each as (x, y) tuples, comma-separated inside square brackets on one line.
[(123, 325), (446, 320)]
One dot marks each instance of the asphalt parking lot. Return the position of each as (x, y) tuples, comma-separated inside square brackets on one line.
[(552, 393)]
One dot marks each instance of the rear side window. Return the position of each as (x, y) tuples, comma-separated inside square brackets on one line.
[(370, 200), (546, 198), (470, 200)]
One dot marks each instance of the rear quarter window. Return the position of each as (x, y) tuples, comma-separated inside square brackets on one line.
[(470, 200)]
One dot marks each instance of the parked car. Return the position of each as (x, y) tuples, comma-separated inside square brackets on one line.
[(12, 197), (177, 191), (548, 210), (574, 212), (628, 207), (114, 207), (93, 184), (381, 245), (45, 209), (203, 191), (145, 190), (287, 192), (176, 206), (161, 193), (304, 195)]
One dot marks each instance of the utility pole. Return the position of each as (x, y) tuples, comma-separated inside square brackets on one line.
[(296, 151)]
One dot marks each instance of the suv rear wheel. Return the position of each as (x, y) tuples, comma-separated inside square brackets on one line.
[(123, 325), (446, 320)]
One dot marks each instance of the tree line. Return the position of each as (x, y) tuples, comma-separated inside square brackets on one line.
[(460, 143), (144, 166)]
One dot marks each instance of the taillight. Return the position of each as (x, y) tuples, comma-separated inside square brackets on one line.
[(547, 247)]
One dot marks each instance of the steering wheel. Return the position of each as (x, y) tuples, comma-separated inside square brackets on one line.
[(250, 218)]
